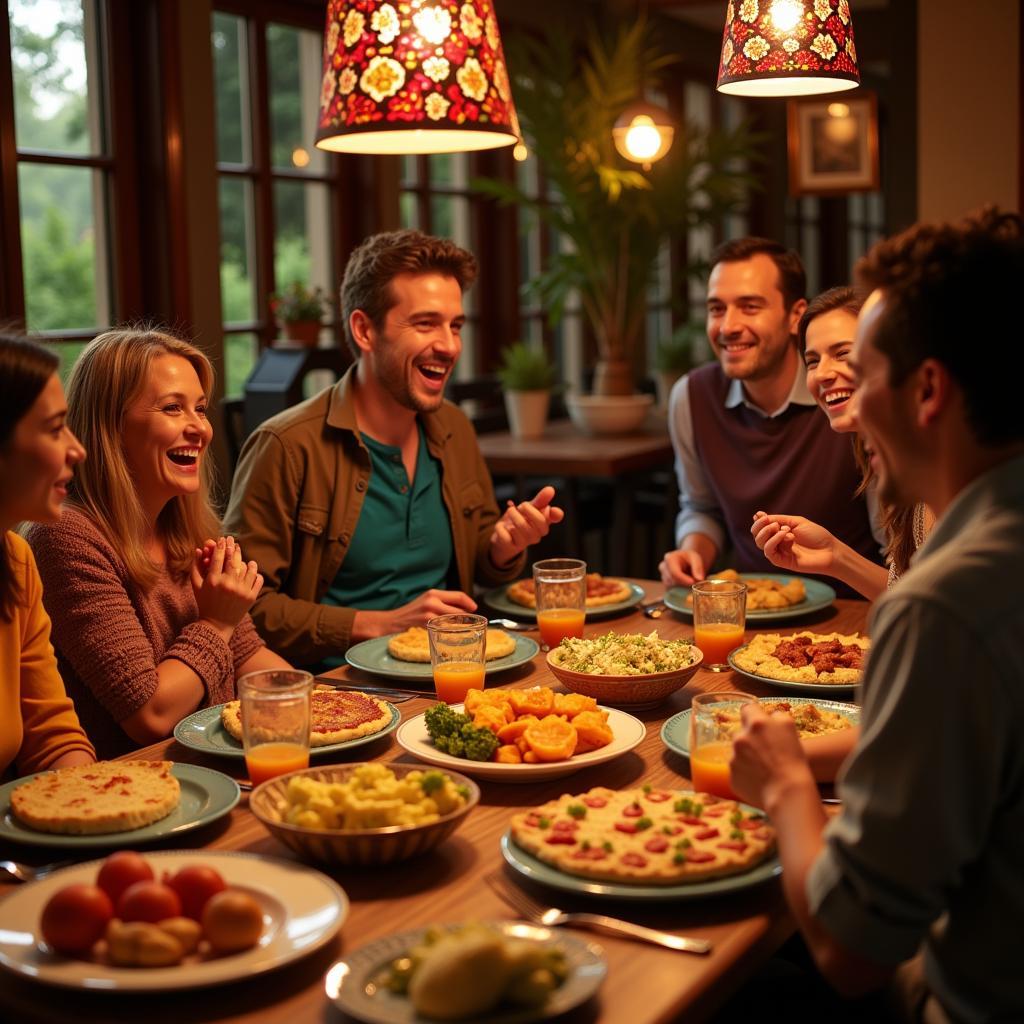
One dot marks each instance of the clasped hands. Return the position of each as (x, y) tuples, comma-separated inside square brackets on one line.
[(225, 585)]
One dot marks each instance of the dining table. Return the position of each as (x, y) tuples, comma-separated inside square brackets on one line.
[(645, 984)]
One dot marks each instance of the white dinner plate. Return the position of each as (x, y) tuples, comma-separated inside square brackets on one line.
[(819, 595), (206, 795), (675, 733), (349, 983), (204, 731), (302, 910), (372, 656), (627, 730)]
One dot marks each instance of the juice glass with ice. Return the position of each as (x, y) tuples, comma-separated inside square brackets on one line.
[(458, 652), (719, 617), (560, 586), (714, 723), (275, 722)]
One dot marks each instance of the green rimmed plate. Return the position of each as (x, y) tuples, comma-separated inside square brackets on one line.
[(372, 656), (498, 600), (818, 689), (675, 733), (206, 795), (819, 595), (203, 731)]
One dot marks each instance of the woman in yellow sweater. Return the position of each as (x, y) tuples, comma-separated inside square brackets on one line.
[(38, 725)]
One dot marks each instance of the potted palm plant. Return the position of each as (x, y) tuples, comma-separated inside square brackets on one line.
[(299, 312), (527, 377), (569, 93)]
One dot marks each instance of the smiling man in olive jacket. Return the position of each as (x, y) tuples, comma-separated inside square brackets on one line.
[(369, 507)]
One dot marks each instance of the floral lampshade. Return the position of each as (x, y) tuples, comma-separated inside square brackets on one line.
[(788, 48), (414, 76)]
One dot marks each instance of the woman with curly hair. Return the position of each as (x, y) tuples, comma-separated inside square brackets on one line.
[(150, 614), (38, 454)]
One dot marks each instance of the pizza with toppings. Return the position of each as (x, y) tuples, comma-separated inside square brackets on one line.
[(94, 799), (646, 836), (413, 644), (805, 657), (601, 590), (334, 716)]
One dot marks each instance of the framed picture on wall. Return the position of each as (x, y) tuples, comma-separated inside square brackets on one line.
[(833, 145)]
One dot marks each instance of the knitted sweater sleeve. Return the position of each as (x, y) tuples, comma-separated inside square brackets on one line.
[(96, 626)]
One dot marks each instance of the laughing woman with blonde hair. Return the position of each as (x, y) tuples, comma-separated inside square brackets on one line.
[(150, 614)]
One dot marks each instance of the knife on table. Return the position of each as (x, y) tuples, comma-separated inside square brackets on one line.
[(380, 691)]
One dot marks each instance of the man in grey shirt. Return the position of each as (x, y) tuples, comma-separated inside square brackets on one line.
[(921, 875)]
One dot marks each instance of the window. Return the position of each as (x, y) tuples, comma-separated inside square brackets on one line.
[(57, 190), (278, 192)]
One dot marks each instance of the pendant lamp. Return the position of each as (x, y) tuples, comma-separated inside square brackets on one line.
[(643, 133), (788, 48), (414, 76)]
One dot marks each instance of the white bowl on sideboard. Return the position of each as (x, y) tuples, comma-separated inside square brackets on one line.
[(609, 414)]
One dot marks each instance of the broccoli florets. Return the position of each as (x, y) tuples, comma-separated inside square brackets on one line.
[(442, 721), (479, 743), (456, 735)]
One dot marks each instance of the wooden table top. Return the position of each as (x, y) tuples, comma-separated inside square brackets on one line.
[(566, 451), (645, 984)]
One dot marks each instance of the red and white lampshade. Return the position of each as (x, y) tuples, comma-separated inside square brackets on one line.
[(788, 48), (414, 76)]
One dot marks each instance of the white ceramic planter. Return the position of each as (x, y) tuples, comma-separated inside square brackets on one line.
[(609, 414), (527, 412)]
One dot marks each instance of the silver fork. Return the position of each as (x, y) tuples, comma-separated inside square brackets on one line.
[(27, 873), (531, 910)]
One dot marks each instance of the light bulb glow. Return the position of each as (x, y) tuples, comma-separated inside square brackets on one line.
[(785, 14), (300, 157), (643, 139), (520, 152), (838, 110)]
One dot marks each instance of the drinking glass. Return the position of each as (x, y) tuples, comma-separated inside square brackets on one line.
[(714, 723), (458, 650), (275, 721), (560, 585), (719, 618)]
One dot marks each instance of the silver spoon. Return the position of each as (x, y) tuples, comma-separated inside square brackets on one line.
[(27, 873), (655, 609), (516, 627)]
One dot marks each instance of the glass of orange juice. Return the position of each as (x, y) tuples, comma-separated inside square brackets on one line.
[(560, 585), (275, 721), (714, 724), (458, 651), (719, 618)]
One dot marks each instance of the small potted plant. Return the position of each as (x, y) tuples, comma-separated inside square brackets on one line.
[(527, 376), (299, 311), (674, 357)]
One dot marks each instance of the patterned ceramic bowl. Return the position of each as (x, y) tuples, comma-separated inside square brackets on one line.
[(635, 691), (355, 846)]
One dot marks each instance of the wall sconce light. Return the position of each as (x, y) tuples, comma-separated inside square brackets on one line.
[(414, 76), (787, 48), (643, 133)]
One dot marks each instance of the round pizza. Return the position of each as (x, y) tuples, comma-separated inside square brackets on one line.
[(414, 645), (601, 590), (763, 594), (334, 716), (95, 799), (645, 836)]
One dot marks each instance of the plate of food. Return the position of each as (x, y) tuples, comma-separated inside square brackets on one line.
[(272, 913), (771, 596), (407, 655), (605, 596), (813, 718), (542, 735), (645, 843), (806, 662), (339, 721), (113, 803), (505, 972)]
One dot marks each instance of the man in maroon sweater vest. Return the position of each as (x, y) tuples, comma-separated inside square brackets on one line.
[(746, 431)]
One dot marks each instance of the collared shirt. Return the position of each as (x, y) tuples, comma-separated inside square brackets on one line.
[(929, 846)]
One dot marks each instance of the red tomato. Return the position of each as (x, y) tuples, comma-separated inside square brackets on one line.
[(75, 917), (195, 884), (148, 901), (121, 870)]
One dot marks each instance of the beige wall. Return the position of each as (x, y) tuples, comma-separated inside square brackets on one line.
[(969, 117)]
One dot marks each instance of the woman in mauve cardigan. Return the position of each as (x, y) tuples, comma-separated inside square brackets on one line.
[(38, 725), (150, 615)]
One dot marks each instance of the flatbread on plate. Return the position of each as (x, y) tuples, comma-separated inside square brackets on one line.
[(414, 645), (601, 590)]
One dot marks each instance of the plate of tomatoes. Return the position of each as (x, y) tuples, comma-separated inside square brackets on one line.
[(171, 919)]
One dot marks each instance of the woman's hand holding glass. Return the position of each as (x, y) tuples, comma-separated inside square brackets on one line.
[(225, 585)]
